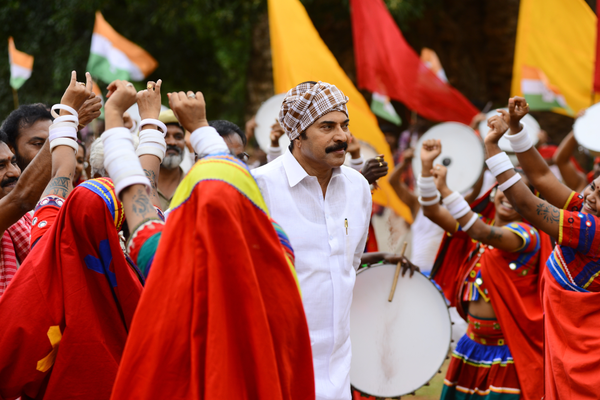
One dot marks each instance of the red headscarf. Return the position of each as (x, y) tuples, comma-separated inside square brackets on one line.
[(66, 314)]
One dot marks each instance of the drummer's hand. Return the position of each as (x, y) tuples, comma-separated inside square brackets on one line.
[(517, 109), (498, 128), (439, 173), (353, 146), (276, 133), (374, 169), (405, 263), (431, 149)]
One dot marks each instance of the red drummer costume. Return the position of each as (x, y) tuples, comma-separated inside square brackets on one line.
[(497, 358), (66, 314), (571, 299)]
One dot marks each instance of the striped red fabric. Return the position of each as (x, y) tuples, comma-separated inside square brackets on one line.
[(14, 247)]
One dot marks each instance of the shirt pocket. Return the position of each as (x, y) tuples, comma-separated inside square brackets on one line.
[(353, 234)]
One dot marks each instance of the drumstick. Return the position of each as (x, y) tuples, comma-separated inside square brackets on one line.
[(397, 273)]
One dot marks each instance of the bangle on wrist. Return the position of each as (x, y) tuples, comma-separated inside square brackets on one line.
[(471, 222), (431, 202), (511, 181), (520, 142)]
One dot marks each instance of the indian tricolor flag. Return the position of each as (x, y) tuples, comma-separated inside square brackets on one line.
[(114, 57), (383, 108), (21, 65), (431, 61), (540, 93)]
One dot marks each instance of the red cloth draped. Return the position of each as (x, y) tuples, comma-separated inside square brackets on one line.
[(221, 316), (518, 307), (75, 280), (572, 327), (385, 63)]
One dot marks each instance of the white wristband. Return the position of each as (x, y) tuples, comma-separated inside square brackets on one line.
[(511, 181), (521, 142), (457, 205), (469, 224), (499, 163), (430, 202), (151, 121), (64, 142), (121, 162), (63, 107), (206, 140), (449, 200), (426, 186), (357, 161), (152, 141)]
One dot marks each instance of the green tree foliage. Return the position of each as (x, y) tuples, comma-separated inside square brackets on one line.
[(199, 45)]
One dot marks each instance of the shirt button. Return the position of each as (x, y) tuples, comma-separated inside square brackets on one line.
[(330, 237)]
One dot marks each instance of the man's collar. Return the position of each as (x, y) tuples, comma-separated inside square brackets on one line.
[(296, 173)]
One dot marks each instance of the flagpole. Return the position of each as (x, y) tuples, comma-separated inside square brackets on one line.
[(15, 98)]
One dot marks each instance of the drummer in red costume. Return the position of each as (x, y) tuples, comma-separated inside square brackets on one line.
[(496, 289), (571, 290)]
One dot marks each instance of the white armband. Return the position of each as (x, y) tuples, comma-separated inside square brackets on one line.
[(471, 222), (151, 121), (457, 205), (511, 181), (426, 186), (521, 142), (499, 163), (206, 140), (63, 131), (121, 162), (431, 202), (152, 142)]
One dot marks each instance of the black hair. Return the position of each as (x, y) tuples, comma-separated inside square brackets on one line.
[(311, 82), (3, 137), (82, 145), (302, 136), (23, 117), (226, 128)]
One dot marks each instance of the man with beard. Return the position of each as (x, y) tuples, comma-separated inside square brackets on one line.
[(18, 194), (171, 173), (325, 208), (27, 131)]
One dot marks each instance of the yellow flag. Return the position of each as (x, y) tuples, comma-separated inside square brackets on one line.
[(299, 55), (554, 55)]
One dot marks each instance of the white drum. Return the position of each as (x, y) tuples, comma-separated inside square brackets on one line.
[(366, 151), (397, 346), (586, 129), (533, 128), (266, 116), (462, 153)]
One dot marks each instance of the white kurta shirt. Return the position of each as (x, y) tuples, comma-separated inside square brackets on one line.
[(327, 256)]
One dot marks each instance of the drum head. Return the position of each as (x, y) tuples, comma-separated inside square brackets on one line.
[(266, 116), (462, 154), (397, 347), (586, 128), (533, 128)]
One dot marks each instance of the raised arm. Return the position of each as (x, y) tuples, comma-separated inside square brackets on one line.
[(531, 161), (459, 210), (63, 137), (149, 102), (402, 190), (430, 195), (573, 178), (540, 213)]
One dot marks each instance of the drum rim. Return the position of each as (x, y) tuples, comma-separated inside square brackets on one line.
[(449, 338)]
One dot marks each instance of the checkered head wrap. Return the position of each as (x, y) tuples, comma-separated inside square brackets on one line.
[(306, 103)]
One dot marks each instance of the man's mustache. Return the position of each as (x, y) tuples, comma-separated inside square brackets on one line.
[(171, 147), (336, 147), (8, 181)]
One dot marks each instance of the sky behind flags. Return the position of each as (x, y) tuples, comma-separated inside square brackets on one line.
[(299, 54), (554, 55), (21, 65), (114, 57)]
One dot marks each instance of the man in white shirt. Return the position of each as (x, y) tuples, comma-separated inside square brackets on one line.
[(325, 209)]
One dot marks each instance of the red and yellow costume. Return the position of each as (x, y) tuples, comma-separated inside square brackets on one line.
[(221, 316), (571, 304)]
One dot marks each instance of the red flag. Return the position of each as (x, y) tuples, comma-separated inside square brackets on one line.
[(596, 65), (386, 64)]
